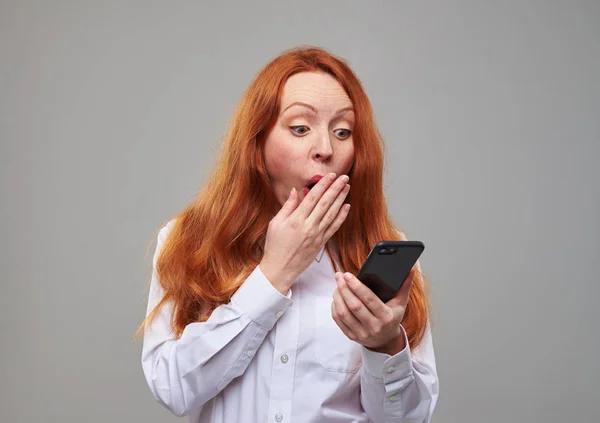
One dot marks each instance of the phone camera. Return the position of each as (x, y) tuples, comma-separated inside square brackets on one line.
[(390, 250)]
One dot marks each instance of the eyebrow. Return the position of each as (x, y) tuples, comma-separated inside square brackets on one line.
[(308, 106)]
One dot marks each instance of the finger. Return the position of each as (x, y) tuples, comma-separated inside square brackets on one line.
[(343, 314), (308, 203), (334, 209), (335, 225), (290, 205), (328, 198), (404, 290), (355, 304), (343, 326), (368, 298)]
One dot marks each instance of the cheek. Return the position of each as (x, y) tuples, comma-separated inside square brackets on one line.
[(276, 159), (275, 172), (348, 158), (280, 157), (279, 161)]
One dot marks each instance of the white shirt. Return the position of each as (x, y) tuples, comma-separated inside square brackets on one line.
[(268, 357)]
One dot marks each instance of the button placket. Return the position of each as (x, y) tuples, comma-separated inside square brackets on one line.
[(287, 330)]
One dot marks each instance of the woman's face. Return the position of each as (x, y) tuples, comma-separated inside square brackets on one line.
[(312, 135)]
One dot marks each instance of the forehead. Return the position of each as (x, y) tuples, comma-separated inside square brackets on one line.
[(316, 88)]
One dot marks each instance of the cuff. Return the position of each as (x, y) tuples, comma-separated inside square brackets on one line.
[(260, 301), (388, 367)]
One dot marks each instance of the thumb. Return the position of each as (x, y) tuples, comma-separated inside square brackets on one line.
[(401, 297), (290, 205)]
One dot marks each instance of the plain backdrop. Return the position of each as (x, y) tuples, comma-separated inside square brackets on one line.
[(111, 116)]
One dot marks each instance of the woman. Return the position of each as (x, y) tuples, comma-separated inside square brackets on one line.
[(254, 314)]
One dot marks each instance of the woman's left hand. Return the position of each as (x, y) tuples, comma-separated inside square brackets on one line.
[(364, 318)]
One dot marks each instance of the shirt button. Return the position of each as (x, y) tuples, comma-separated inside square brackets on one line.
[(394, 398), (284, 358), (391, 369), (249, 354), (279, 417), (279, 314)]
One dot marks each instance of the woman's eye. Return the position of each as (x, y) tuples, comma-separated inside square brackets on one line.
[(300, 129), (343, 133)]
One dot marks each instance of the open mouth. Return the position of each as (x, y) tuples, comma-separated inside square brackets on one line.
[(313, 181)]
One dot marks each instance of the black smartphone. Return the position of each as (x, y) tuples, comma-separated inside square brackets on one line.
[(387, 266)]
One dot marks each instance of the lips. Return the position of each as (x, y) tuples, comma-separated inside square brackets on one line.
[(313, 181)]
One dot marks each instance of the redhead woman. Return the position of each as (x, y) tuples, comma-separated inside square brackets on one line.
[(254, 313)]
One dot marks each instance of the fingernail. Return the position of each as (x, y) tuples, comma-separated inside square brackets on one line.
[(338, 279), (345, 178), (348, 276), (331, 176)]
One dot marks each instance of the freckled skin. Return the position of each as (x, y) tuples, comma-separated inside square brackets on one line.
[(320, 143)]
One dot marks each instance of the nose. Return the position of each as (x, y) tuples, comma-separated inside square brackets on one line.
[(322, 149)]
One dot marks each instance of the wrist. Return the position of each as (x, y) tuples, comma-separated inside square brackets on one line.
[(393, 346), (278, 279)]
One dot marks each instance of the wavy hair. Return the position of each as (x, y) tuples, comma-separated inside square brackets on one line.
[(218, 239)]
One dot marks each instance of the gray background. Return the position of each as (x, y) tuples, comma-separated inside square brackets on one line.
[(111, 114)]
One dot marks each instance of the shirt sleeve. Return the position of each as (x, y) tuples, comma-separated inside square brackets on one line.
[(400, 388), (184, 373)]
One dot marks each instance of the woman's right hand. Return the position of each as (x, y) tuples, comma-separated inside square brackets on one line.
[(299, 231)]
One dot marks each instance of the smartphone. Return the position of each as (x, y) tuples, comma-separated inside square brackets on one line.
[(387, 266)]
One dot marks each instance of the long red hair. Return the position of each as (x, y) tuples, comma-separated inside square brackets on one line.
[(217, 241)]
